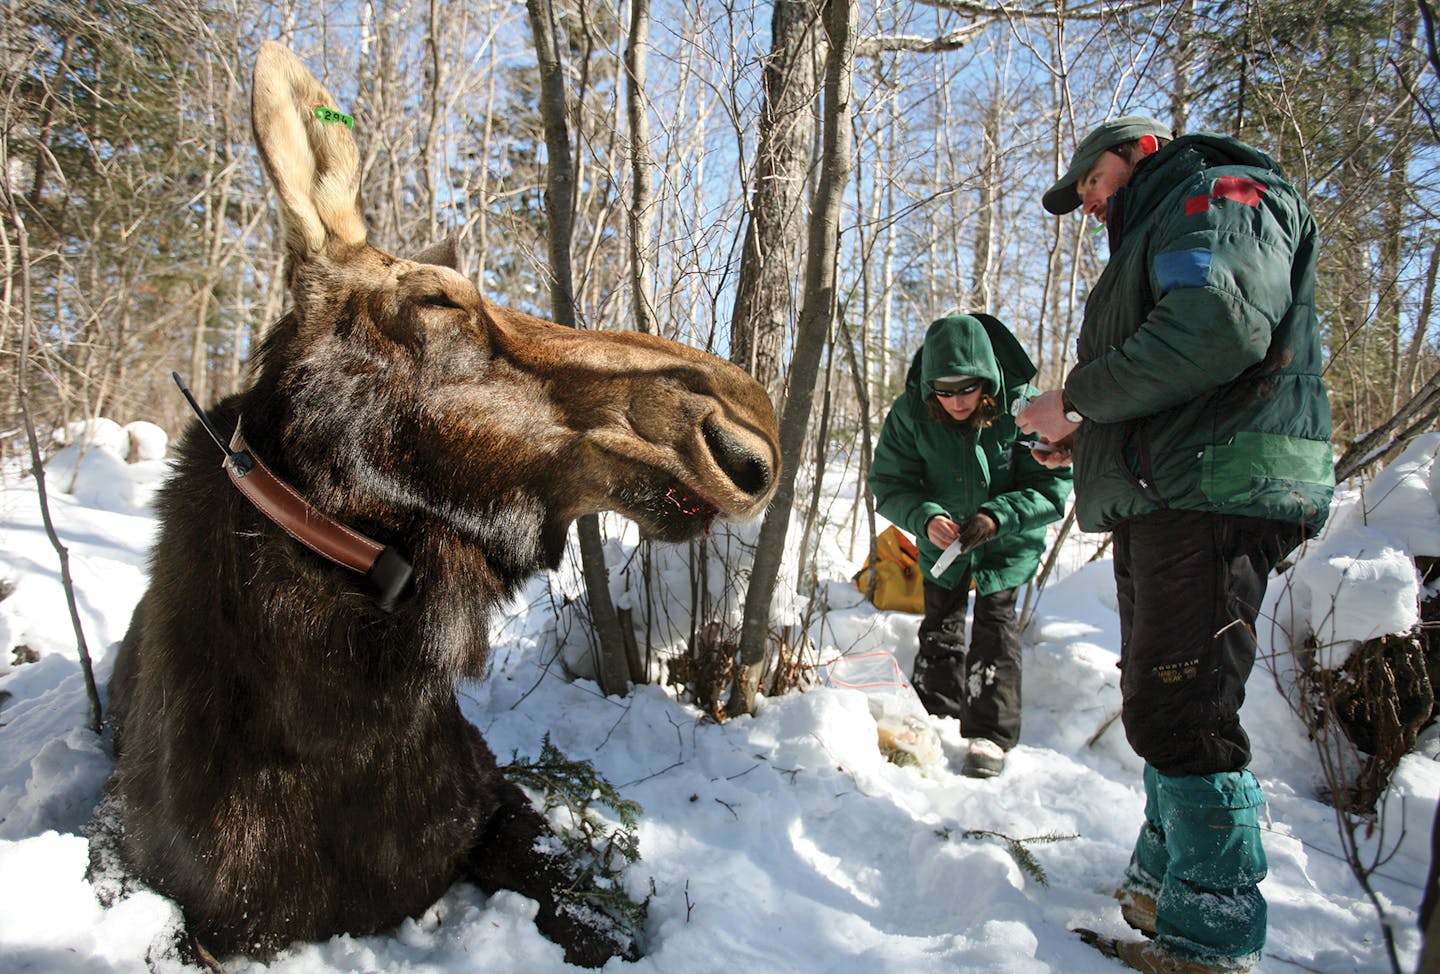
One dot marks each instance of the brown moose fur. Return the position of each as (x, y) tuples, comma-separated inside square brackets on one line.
[(292, 759)]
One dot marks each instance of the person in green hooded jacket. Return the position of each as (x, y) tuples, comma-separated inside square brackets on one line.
[(948, 468), (1200, 429)]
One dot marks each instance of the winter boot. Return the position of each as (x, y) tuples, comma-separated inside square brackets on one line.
[(1151, 958), (1138, 910), (985, 759)]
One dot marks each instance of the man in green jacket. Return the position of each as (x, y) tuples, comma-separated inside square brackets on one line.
[(948, 469), (1200, 431)]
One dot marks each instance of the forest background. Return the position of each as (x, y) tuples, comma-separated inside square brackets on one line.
[(798, 185)]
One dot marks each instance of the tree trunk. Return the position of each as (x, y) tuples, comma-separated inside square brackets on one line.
[(807, 584), (862, 395), (1393, 230), (432, 152), (786, 130), (1060, 144), (816, 313), (216, 208), (1392, 256), (611, 670), (1411, 369), (982, 271), (637, 48), (1183, 58)]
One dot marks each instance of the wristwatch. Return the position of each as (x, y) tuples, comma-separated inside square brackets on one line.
[(1072, 415)]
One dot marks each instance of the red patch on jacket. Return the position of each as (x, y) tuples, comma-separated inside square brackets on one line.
[(1236, 188), (1239, 189)]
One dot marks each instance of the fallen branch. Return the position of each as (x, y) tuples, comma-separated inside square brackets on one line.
[(1415, 417)]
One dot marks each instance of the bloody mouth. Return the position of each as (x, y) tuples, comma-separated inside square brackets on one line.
[(682, 501)]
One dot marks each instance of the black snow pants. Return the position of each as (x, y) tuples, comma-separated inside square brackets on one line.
[(981, 687), (1190, 585)]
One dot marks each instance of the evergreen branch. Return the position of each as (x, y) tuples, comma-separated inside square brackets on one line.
[(1019, 850), (599, 852)]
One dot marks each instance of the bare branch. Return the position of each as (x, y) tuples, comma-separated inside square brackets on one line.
[(953, 41), (17, 225), (1097, 10)]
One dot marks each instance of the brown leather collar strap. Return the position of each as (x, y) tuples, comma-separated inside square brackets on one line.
[(387, 571), (281, 504)]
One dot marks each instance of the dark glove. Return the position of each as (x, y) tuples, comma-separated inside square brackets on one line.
[(976, 531)]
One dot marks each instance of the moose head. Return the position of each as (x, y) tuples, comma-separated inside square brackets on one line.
[(292, 761), (474, 413)]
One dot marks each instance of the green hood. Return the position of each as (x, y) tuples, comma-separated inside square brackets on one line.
[(976, 345)]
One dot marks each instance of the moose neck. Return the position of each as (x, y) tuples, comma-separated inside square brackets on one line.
[(387, 571), (440, 627)]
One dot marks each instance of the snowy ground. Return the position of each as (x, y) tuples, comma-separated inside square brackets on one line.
[(778, 842)]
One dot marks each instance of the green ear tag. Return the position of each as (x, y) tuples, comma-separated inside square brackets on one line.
[(331, 115)]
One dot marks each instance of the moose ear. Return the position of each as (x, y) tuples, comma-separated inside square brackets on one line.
[(446, 253), (308, 150)]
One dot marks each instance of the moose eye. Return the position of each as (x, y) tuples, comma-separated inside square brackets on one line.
[(439, 300)]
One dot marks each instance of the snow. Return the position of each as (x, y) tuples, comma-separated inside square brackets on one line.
[(778, 842)]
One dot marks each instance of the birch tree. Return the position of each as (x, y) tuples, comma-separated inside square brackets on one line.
[(637, 52)]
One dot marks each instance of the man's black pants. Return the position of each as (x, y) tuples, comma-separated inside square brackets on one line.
[(1190, 586)]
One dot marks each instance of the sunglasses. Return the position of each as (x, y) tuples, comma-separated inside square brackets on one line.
[(964, 390)]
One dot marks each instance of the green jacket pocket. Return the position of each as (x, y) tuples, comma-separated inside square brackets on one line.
[(1234, 472)]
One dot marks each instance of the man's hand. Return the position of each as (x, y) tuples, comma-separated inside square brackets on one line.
[(941, 531), (978, 530), (1045, 416), (1055, 455)]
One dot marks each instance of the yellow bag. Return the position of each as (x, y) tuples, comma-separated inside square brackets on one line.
[(899, 585)]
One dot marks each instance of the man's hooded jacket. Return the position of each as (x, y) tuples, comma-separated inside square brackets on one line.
[(924, 467), (1199, 357)]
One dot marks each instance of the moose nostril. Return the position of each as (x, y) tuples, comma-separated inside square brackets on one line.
[(751, 473)]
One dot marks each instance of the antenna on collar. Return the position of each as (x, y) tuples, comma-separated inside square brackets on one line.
[(240, 458)]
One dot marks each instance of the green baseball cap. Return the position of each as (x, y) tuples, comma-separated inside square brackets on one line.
[(1062, 198)]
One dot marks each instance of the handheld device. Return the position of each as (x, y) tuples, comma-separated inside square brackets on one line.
[(1038, 445)]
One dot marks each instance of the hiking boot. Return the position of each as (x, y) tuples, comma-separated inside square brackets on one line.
[(1138, 910), (985, 759), (1151, 958)]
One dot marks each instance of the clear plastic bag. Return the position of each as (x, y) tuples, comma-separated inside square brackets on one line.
[(903, 728)]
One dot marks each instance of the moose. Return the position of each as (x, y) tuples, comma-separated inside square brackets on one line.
[(292, 760)]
